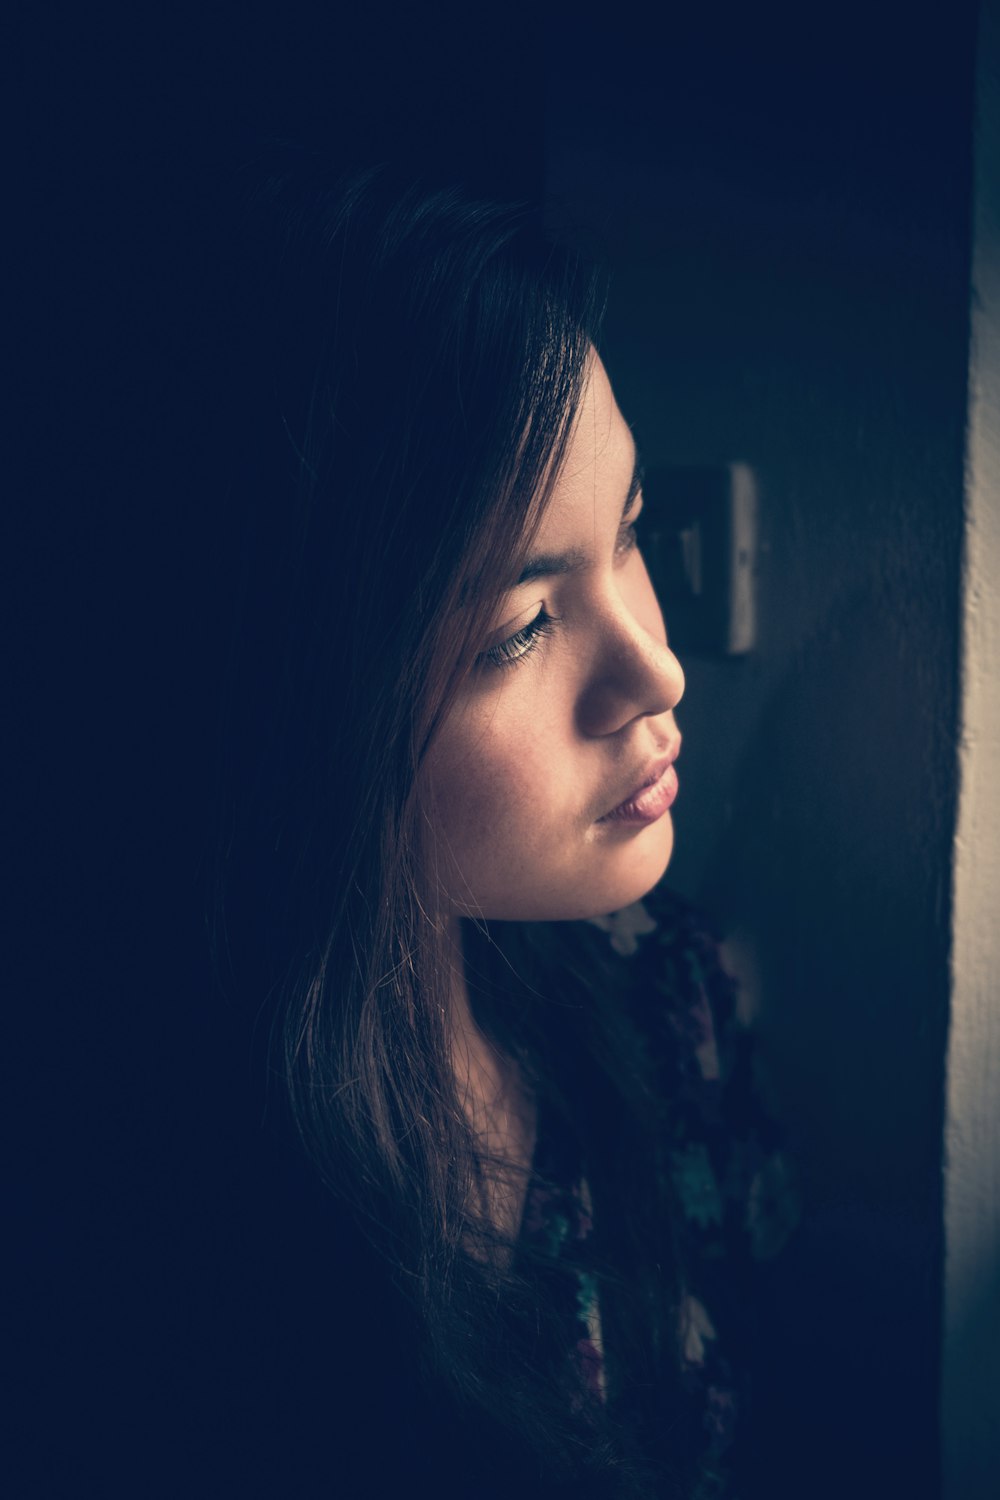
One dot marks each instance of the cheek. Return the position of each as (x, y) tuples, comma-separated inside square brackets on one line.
[(491, 787)]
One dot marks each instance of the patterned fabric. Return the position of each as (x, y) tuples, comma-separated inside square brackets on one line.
[(734, 1185), (560, 1221)]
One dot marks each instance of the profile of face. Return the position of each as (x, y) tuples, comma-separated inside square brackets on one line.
[(547, 788)]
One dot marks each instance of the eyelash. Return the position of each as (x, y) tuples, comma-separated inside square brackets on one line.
[(521, 644), (627, 539)]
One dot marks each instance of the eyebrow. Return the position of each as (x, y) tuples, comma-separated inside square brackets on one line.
[(555, 564)]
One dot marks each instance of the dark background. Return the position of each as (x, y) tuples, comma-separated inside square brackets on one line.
[(779, 188)]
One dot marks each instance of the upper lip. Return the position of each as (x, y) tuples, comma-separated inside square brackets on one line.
[(654, 770)]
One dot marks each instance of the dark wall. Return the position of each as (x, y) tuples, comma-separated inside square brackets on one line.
[(784, 196)]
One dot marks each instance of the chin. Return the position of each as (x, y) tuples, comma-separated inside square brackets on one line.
[(642, 867), (606, 879), (624, 876)]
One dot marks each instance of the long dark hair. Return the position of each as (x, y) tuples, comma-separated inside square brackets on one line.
[(420, 358)]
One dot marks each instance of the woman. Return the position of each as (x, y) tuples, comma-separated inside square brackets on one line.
[(451, 723)]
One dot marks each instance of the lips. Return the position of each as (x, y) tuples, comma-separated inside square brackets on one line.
[(643, 803)]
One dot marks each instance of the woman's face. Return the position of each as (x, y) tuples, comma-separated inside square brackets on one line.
[(568, 711)]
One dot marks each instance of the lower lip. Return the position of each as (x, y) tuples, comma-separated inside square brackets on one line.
[(649, 804)]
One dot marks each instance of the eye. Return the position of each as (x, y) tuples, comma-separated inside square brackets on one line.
[(628, 538), (627, 541), (520, 644)]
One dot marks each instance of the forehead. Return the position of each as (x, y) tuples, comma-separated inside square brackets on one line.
[(598, 462)]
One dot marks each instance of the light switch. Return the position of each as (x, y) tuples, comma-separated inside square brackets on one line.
[(700, 538)]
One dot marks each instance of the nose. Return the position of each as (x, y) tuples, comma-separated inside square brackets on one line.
[(635, 674)]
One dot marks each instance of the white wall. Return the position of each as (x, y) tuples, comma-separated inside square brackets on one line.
[(971, 1371)]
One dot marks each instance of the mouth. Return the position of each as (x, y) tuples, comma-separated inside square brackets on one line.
[(652, 794)]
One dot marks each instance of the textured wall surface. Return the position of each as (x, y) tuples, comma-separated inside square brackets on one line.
[(971, 1369)]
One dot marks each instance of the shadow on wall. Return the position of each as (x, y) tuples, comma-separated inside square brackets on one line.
[(843, 881), (840, 885)]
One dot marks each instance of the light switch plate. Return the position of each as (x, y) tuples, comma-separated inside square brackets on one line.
[(700, 539)]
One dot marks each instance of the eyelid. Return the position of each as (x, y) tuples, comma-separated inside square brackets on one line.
[(509, 628), (520, 643), (635, 508), (627, 539)]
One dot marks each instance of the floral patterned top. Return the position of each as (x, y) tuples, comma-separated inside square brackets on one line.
[(731, 1176)]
